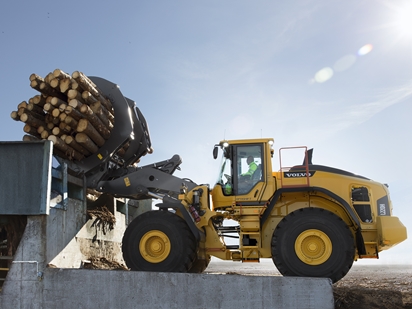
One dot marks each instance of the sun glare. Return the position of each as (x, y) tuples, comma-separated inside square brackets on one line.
[(404, 20)]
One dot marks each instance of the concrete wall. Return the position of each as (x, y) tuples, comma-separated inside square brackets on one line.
[(63, 240), (69, 288)]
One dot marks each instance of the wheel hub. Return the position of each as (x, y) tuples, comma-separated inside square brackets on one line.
[(313, 247), (155, 246)]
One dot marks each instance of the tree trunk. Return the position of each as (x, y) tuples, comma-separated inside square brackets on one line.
[(95, 121), (69, 151), (75, 145), (86, 127), (86, 142)]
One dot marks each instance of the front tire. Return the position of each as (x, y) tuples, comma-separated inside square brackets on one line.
[(313, 242), (159, 241)]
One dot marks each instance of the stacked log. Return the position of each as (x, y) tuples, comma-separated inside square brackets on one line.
[(70, 111)]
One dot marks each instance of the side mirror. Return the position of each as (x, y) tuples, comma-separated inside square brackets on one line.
[(215, 151)]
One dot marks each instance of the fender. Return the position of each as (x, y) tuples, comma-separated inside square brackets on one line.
[(171, 203), (359, 238)]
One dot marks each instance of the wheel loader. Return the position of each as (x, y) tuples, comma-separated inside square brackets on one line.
[(311, 220)]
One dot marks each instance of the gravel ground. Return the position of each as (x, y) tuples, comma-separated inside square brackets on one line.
[(364, 287)]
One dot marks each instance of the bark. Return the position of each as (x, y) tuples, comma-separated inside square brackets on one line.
[(95, 121), (59, 74), (36, 77), (30, 115), (97, 108), (62, 146), (88, 97), (35, 109), (86, 127), (75, 145), (22, 105), (86, 142), (29, 138), (70, 111), (88, 85), (39, 100), (31, 130), (56, 102), (70, 121)]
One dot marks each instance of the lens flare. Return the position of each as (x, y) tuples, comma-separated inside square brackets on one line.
[(365, 49), (323, 75)]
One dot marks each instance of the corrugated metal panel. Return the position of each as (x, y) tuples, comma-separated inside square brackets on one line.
[(25, 177)]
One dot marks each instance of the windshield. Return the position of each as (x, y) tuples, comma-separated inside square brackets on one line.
[(225, 175)]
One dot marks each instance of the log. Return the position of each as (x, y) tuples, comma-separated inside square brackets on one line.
[(35, 84), (62, 146), (46, 89), (42, 129), (45, 134), (95, 121), (15, 116), (62, 108), (35, 109), (75, 104), (59, 74), (57, 131), (31, 130), (97, 108), (70, 111), (22, 105), (23, 111), (55, 113), (65, 128), (62, 116), (54, 83), (36, 77), (56, 102), (50, 125), (69, 140), (70, 121), (86, 127), (39, 100), (48, 78), (66, 84), (86, 142), (48, 107), (88, 85), (29, 138), (74, 94), (88, 97)]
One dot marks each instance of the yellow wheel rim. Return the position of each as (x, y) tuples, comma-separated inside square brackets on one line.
[(155, 246), (313, 247)]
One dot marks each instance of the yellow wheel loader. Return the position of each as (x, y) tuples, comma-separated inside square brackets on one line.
[(311, 220)]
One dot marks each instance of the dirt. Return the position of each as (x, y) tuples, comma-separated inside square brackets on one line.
[(367, 287)]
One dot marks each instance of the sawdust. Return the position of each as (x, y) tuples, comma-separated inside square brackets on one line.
[(386, 289), (103, 220), (103, 263)]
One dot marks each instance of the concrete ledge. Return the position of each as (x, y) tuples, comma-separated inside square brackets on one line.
[(80, 288)]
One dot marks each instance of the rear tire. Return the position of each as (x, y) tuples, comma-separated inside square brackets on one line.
[(313, 242), (199, 265), (159, 241)]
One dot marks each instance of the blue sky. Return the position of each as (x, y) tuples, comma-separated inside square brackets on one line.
[(333, 75)]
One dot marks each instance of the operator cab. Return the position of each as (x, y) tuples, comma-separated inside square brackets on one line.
[(242, 170)]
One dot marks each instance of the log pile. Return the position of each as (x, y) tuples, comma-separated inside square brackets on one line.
[(70, 111)]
